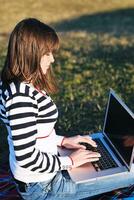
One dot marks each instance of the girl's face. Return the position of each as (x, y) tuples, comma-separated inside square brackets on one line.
[(46, 61)]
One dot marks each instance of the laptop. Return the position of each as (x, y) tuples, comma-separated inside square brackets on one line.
[(113, 143)]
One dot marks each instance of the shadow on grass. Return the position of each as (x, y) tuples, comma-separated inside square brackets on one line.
[(118, 22)]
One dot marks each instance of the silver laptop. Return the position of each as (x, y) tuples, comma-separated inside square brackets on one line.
[(113, 143)]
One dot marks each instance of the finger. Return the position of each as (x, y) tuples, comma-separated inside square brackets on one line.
[(93, 154), (92, 142), (89, 154), (93, 159), (86, 153), (78, 146), (89, 140)]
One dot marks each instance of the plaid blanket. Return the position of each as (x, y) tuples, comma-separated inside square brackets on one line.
[(8, 190)]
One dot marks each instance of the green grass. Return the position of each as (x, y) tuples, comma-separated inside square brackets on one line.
[(97, 53), (86, 72)]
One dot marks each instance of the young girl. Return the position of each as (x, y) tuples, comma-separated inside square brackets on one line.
[(30, 114)]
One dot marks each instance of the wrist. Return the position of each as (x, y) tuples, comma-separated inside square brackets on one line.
[(71, 160), (63, 141), (66, 163)]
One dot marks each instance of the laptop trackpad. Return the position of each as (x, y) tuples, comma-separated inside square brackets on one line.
[(82, 173)]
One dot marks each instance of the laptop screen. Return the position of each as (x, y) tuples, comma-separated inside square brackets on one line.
[(119, 126)]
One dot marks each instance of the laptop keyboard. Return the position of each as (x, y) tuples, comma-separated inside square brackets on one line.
[(105, 161)]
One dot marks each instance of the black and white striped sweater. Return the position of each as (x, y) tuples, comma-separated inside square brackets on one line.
[(30, 116)]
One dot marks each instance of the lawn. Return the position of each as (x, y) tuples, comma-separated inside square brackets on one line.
[(96, 53)]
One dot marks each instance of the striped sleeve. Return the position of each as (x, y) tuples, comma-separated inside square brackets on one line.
[(21, 111)]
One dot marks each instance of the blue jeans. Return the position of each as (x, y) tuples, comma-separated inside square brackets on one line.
[(62, 187)]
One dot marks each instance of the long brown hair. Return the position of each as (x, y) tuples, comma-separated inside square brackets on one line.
[(28, 42)]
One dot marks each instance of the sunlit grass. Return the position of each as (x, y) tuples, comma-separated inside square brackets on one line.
[(54, 11)]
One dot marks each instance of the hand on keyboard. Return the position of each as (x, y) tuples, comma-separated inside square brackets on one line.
[(89, 147), (82, 156), (105, 161)]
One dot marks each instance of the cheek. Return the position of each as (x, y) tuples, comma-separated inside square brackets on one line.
[(43, 64)]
